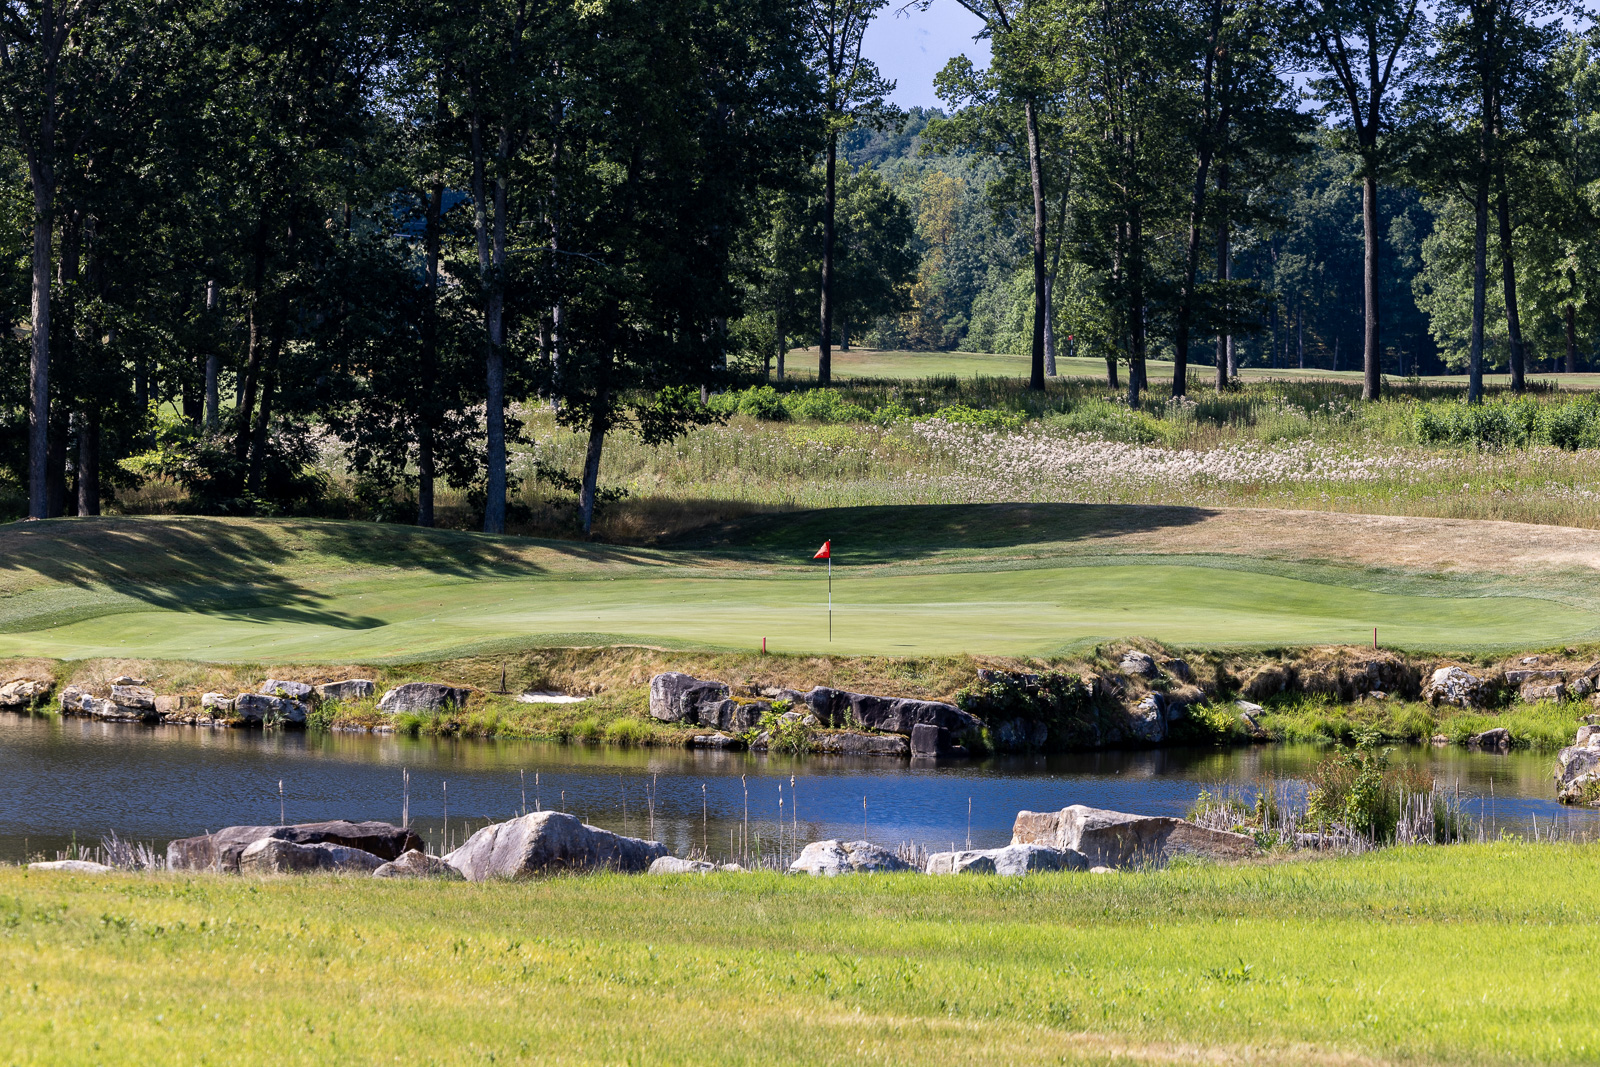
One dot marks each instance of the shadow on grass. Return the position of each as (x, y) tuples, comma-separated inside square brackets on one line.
[(219, 566), (883, 534)]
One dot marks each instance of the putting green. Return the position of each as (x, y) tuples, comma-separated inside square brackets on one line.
[(1033, 611)]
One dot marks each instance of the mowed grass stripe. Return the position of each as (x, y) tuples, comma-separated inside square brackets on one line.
[(1035, 611), (1468, 954)]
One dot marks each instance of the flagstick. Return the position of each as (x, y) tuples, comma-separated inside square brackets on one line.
[(830, 596)]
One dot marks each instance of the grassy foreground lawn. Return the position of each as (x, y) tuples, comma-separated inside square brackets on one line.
[(1461, 954), (911, 581)]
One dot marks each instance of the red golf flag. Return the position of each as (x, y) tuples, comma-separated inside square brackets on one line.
[(826, 551)]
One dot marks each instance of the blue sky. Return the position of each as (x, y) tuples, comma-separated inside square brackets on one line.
[(911, 47)]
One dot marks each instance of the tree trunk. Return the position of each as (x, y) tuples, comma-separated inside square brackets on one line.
[(1300, 336), (258, 438), (213, 363), (1480, 254), (1136, 335), (1111, 371), (56, 479), (1572, 341), (89, 464), (1371, 353), (491, 260), (1050, 326), (591, 461), (43, 177), (253, 350), (430, 355), (425, 475), (1224, 271), (1508, 279), (825, 340), (1041, 298)]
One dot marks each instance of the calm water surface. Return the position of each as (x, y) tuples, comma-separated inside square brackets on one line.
[(61, 778)]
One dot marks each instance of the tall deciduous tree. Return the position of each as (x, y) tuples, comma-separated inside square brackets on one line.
[(1367, 50), (853, 94), (1020, 32), (683, 110)]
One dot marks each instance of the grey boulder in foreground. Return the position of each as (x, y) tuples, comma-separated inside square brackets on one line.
[(415, 864), (831, 858), (550, 842), (674, 865), (274, 855), (1010, 861), (76, 866), (1118, 839), (221, 851)]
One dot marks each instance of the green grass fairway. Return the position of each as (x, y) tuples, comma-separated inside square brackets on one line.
[(1024, 580), (872, 363), (1033, 611), (1463, 954)]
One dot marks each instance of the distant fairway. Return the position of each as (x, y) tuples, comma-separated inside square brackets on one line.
[(871, 363), (910, 581)]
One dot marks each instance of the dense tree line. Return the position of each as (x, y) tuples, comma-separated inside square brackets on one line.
[(1281, 184), (235, 232)]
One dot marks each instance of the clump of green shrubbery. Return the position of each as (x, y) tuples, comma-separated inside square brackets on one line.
[(1570, 424), (827, 405)]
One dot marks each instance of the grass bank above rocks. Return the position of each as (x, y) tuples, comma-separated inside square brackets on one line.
[(1123, 694), (1370, 959)]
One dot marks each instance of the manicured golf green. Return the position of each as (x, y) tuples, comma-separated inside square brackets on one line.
[(1038, 605)]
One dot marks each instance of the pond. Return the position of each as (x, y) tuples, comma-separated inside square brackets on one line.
[(66, 779)]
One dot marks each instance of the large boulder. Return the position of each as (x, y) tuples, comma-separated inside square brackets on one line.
[(1453, 685), (75, 701), (1522, 676), (676, 697), (1138, 664), (926, 740), (678, 865), (23, 693), (279, 687), (1118, 839), (1541, 692), (549, 842), (422, 696), (217, 703), (850, 743), (418, 864), (272, 855), (1147, 720), (832, 858), (730, 714), (256, 709), (137, 697), (715, 741), (220, 851), (350, 689), (1578, 769), (75, 866), (1014, 735), (890, 715), (1498, 739), (1009, 861)]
